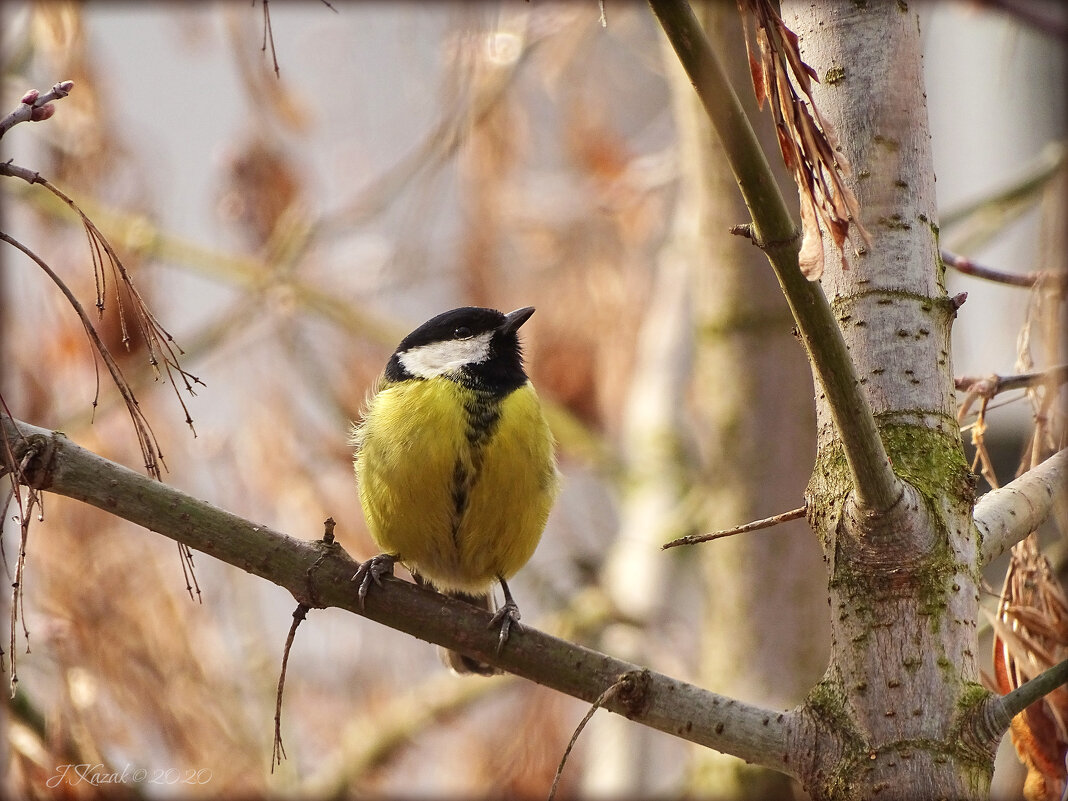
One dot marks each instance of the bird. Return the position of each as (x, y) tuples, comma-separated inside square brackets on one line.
[(455, 464)]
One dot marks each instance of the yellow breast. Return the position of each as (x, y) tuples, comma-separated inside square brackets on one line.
[(458, 485)]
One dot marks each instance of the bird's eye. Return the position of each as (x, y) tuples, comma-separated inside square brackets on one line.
[(463, 332)]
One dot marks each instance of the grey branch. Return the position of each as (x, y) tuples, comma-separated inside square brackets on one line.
[(968, 267), (1012, 704), (997, 712), (319, 575), (756, 525), (35, 107), (991, 385), (1007, 515), (877, 488)]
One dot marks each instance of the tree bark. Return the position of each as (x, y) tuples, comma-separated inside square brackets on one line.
[(904, 583)]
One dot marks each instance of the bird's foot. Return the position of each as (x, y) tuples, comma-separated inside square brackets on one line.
[(372, 571), (506, 618)]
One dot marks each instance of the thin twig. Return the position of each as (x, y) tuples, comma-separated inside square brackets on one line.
[(161, 345), (602, 699), (756, 525), (33, 498), (278, 751), (147, 439), (992, 385), (268, 36), (964, 265), (17, 474), (189, 573)]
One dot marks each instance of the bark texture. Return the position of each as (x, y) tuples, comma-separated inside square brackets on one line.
[(904, 583)]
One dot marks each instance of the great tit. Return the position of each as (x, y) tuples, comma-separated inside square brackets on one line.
[(455, 463)]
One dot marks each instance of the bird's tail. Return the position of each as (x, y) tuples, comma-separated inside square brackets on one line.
[(462, 664)]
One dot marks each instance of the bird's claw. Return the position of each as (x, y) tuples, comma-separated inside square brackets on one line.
[(372, 571), (506, 617)]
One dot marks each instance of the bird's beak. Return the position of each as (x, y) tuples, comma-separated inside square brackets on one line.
[(513, 320)]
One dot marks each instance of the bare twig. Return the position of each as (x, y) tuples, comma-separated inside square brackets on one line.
[(964, 265), (278, 751), (614, 688), (35, 107), (146, 438), (17, 475), (767, 522), (991, 385), (268, 36), (268, 33), (161, 345)]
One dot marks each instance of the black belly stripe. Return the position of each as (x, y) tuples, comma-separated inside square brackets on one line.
[(460, 486), (483, 414)]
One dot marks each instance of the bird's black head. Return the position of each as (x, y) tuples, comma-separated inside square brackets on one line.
[(473, 346)]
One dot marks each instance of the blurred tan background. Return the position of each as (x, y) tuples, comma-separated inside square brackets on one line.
[(288, 231)]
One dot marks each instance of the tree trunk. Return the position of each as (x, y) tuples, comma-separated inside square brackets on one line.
[(904, 582)]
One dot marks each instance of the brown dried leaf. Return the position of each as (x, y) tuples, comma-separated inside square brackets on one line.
[(786, 145), (756, 67), (802, 71), (1030, 637), (814, 159), (760, 87), (810, 257)]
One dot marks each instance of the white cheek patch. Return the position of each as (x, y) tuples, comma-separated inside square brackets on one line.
[(441, 358)]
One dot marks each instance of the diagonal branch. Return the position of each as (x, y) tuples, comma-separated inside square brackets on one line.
[(756, 525), (1007, 515), (966, 266), (877, 488), (997, 712), (757, 735)]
